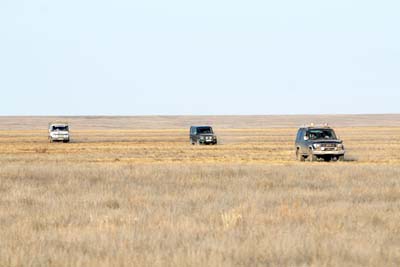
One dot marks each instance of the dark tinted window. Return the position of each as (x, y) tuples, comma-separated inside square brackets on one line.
[(204, 130), (317, 134), (59, 128), (298, 138)]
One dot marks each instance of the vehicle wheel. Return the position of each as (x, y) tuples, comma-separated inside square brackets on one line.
[(312, 157), (66, 141), (328, 158), (192, 142), (340, 158), (299, 156)]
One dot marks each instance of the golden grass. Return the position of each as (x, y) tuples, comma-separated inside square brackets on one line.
[(211, 215), (145, 197)]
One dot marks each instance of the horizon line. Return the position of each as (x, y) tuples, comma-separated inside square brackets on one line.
[(202, 115)]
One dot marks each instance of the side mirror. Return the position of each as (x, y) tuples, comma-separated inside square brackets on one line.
[(306, 138)]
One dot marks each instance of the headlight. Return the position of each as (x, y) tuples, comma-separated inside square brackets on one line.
[(340, 146), (316, 146)]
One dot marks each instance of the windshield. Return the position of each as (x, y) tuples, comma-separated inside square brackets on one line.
[(59, 128), (204, 130), (317, 134)]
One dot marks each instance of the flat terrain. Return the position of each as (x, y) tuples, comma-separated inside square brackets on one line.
[(132, 191)]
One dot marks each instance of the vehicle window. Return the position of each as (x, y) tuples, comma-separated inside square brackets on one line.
[(317, 134), (302, 134), (299, 134), (59, 128), (204, 130)]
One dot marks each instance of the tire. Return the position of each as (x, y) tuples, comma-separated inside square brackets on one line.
[(312, 157), (340, 158), (299, 156), (192, 142)]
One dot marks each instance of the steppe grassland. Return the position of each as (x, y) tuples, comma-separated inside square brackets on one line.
[(246, 146), (146, 197)]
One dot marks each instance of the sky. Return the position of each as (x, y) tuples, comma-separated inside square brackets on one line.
[(216, 57)]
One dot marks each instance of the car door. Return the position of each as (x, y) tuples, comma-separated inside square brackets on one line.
[(297, 141), (195, 134), (191, 134), (303, 143)]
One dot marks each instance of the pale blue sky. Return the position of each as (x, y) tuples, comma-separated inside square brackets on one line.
[(126, 57)]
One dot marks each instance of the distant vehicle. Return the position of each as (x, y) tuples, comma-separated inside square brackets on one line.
[(59, 131), (315, 143), (202, 135)]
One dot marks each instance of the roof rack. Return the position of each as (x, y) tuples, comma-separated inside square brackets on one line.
[(312, 125), (58, 122)]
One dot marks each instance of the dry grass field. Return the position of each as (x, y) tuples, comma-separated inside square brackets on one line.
[(132, 191)]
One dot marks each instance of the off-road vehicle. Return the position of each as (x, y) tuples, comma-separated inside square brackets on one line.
[(315, 143), (59, 131), (202, 135)]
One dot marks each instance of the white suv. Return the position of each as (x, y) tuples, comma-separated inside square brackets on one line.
[(59, 131)]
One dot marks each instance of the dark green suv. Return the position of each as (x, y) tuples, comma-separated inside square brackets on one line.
[(315, 143), (202, 135)]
